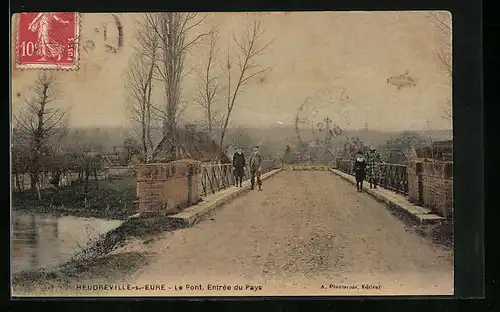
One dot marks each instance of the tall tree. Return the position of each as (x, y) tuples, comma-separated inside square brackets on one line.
[(139, 83), (249, 48), (42, 122), (173, 29), (209, 87)]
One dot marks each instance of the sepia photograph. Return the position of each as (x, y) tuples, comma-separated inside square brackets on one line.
[(228, 154)]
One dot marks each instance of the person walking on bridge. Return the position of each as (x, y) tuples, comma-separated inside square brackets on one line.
[(359, 170), (239, 166), (373, 161), (255, 164)]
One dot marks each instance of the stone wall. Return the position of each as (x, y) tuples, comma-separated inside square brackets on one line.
[(430, 184), (168, 187)]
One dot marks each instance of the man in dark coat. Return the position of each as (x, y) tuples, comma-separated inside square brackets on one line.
[(255, 165), (239, 166), (359, 170)]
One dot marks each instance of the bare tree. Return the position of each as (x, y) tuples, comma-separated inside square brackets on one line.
[(249, 48), (139, 84), (173, 28), (209, 87), (447, 114), (43, 123), (442, 22)]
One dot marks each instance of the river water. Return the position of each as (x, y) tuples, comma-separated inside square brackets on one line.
[(46, 241)]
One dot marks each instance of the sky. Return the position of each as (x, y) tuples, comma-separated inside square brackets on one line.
[(337, 63)]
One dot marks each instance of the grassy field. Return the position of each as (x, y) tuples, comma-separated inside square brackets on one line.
[(101, 199)]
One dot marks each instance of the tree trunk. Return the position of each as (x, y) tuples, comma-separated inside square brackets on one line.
[(34, 182), (87, 174), (210, 127), (39, 193), (144, 135), (56, 179), (149, 141)]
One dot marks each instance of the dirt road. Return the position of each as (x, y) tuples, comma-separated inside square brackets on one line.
[(306, 233)]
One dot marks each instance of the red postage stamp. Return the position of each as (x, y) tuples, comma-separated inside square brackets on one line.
[(47, 40)]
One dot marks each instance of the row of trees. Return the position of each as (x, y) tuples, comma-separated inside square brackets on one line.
[(162, 43), (42, 144)]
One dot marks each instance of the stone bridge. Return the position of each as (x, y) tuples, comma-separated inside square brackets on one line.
[(307, 228), (422, 189)]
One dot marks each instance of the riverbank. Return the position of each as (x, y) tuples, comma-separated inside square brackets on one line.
[(110, 258), (115, 199)]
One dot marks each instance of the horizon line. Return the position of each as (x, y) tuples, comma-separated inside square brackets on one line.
[(277, 127)]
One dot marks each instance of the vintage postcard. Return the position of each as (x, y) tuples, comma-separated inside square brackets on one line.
[(232, 154)]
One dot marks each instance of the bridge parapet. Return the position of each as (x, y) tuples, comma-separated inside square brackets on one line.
[(431, 185), (428, 183), (215, 178), (167, 187), (392, 176)]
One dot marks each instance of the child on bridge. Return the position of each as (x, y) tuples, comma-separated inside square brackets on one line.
[(373, 166), (359, 170)]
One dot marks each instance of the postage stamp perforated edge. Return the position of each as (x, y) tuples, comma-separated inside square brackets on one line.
[(74, 66)]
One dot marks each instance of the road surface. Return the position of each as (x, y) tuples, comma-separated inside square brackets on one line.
[(306, 233)]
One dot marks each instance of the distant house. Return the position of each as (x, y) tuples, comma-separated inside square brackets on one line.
[(192, 144), (112, 161), (114, 165), (105, 163)]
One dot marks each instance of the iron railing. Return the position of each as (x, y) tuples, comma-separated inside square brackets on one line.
[(221, 176), (215, 178), (392, 176)]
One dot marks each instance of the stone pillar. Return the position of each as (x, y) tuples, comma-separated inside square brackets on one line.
[(168, 188), (415, 186)]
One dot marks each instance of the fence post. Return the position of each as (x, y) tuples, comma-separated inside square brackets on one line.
[(420, 183)]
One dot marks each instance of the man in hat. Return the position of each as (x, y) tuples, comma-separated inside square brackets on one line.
[(373, 161), (239, 166), (255, 164)]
